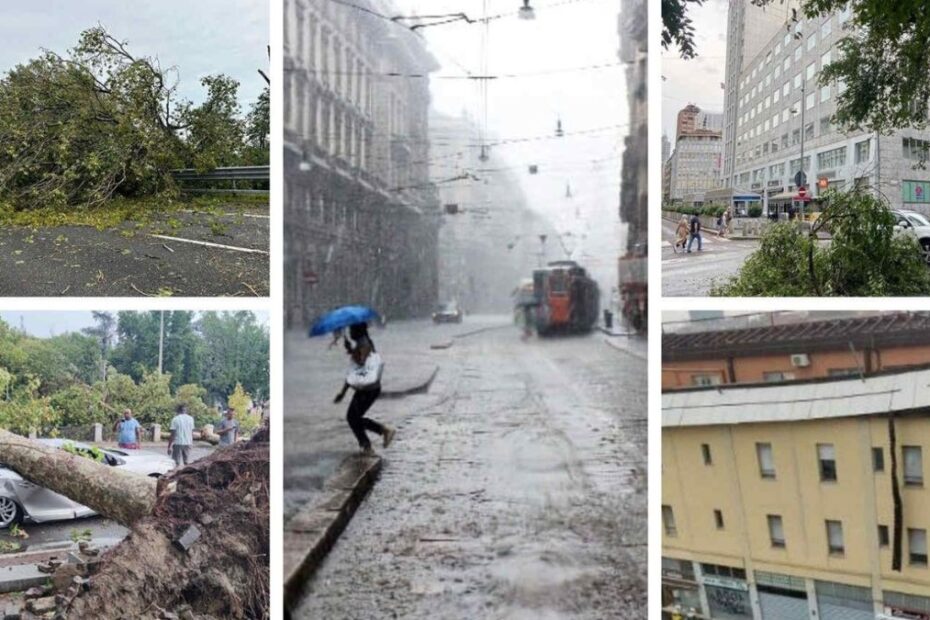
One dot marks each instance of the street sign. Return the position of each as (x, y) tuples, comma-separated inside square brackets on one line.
[(823, 182), (311, 277), (800, 179), (802, 192)]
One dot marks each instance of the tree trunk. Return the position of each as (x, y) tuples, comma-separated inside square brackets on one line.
[(121, 496)]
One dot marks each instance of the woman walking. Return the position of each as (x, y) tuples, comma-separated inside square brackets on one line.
[(681, 234), (364, 376)]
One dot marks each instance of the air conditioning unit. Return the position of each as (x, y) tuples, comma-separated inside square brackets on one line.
[(800, 360)]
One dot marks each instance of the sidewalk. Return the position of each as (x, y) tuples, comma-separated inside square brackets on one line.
[(317, 438)]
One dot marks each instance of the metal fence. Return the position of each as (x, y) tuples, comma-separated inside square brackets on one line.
[(235, 180)]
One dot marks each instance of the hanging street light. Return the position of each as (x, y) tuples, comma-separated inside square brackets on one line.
[(558, 128), (526, 11)]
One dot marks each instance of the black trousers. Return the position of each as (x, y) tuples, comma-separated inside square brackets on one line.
[(362, 401)]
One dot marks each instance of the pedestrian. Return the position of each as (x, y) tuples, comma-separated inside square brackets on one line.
[(182, 436), (681, 234), (727, 218), (228, 428), (128, 431), (721, 225), (364, 376), (695, 230)]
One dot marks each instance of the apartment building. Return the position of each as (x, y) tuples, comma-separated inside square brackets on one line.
[(694, 166), (812, 349), (797, 500), (775, 105), (361, 217)]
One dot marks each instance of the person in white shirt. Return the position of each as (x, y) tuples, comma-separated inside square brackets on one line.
[(364, 376), (182, 436)]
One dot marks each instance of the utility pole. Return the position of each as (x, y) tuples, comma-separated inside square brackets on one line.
[(803, 135), (161, 342)]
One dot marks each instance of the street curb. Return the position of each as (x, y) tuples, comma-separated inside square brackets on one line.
[(312, 532), (420, 388), (480, 331), (610, 344)]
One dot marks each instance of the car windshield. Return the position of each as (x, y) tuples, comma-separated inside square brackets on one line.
[(918, 219)]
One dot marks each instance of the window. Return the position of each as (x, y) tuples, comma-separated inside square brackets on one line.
[(826, 28), (786, 65), (825, 93), (810, 101), (882, 535), (825, 125), (668, 520), (718, 519), (705, 452), (917, 546), (786, 89), (811, 42), (797, 53), (797, 81), (775, 377), (796, 136), (776, 96), (776, 533), (863, 151), (835, 537), (829, 160), (704, 380), (827, 456), (826, 59), (878, 460), (913, 466), (766, 460), (916, 150), (809, 131)]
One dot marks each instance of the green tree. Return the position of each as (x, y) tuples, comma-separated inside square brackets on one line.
[(258, 129), (104, 331), (137, 350), (677, 28), (215, 133), (865, 257), (235, 350)]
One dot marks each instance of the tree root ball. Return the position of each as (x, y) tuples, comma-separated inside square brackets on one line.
[(223, 574)]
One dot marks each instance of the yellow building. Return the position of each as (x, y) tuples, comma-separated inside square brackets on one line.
[(778, 501)]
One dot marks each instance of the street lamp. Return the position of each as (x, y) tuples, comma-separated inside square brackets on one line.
[(526, 11), (801, 176)]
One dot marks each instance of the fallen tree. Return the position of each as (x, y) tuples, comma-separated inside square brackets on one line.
[(198, 538)]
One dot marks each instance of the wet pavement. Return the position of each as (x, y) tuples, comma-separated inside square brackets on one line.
[(190, 254), (693, 275), (515, 489)]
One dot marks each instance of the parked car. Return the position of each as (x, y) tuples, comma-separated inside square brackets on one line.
[(21, 500), (917, 225), (448, 313)]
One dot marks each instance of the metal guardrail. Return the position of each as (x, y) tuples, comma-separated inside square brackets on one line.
[(238, 173)]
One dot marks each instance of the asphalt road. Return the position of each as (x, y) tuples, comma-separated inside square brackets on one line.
[(693, 275), (515, 489), (190, 254)]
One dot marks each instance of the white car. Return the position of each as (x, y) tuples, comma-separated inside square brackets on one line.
[(21, 500), (916, 225)]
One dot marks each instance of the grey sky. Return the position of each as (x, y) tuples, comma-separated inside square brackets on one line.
[(696, 81), (44, 324), (200, 38), (574, 35)]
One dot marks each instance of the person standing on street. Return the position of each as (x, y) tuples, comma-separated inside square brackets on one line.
[(228, 428), (681, 234), (364, 376), (182, 436), (695, 232), (128, 431)]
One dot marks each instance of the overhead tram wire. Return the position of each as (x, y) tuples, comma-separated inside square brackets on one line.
[(471, 76)]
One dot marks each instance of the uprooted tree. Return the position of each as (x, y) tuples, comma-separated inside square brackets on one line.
[(224, 574), (99, 122)]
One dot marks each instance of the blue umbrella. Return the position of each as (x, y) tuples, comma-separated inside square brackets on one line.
[(341, 318)]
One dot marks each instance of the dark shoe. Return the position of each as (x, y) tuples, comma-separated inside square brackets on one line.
[(368, 451)]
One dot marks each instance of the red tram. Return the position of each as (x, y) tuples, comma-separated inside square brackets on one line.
[(568, 300)]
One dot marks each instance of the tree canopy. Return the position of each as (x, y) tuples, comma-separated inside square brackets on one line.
[(98, 122), (47, 383)]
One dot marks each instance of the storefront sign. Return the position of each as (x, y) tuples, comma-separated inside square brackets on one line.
[(725, 582), (916, 191), (896, 613)]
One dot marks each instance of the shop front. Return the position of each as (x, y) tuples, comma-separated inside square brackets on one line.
[(838, 601), (782, 597), (727, 592), (681, 596), (901, 606)]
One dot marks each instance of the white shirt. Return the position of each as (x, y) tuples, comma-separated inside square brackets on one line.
[(361, 377), (183, 427)]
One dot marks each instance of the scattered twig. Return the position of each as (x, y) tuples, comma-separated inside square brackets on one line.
[(140, 291), (248, 286), (165, 245)]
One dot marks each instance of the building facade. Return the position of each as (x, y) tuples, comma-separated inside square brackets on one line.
[(692, 120), (796, 501), (360, 213), (803, 350), (775, 106), (634, 187), (694, 166)]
